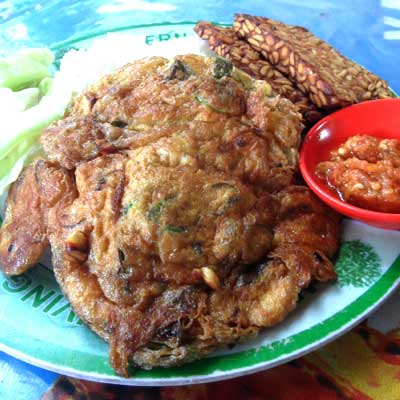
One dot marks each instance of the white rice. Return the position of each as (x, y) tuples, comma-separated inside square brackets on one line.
[(80, 68)]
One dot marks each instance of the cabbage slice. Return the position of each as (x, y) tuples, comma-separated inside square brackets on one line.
[(29, 102), (25, 69)]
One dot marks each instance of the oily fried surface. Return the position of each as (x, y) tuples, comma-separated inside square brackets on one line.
[(21, 247), (154, 98), (182, 230), (145, 292), (41, 189), (164, 222)]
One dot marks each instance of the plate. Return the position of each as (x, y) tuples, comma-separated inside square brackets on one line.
[(38, 325)]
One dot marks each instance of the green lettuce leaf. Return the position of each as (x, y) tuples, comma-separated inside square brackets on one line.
[(25, 69), (19, 143), (36, 100)]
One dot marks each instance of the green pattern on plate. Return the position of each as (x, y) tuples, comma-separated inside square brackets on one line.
[(358, 264)]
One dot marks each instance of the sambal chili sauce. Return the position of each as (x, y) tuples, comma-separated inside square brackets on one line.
[(365, 171)]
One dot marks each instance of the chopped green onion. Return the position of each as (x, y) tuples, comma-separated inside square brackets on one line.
[(175, 229)]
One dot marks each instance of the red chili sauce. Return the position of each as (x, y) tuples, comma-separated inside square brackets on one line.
[(365, 171)]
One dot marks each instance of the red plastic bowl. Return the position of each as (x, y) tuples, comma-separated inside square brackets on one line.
[(380, 118)]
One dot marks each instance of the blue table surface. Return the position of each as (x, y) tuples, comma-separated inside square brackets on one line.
[(367, 31)]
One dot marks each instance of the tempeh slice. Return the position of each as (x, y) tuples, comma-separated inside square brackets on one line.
[(330, 79)]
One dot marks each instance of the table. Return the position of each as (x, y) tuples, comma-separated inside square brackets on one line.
[(368, 31)]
